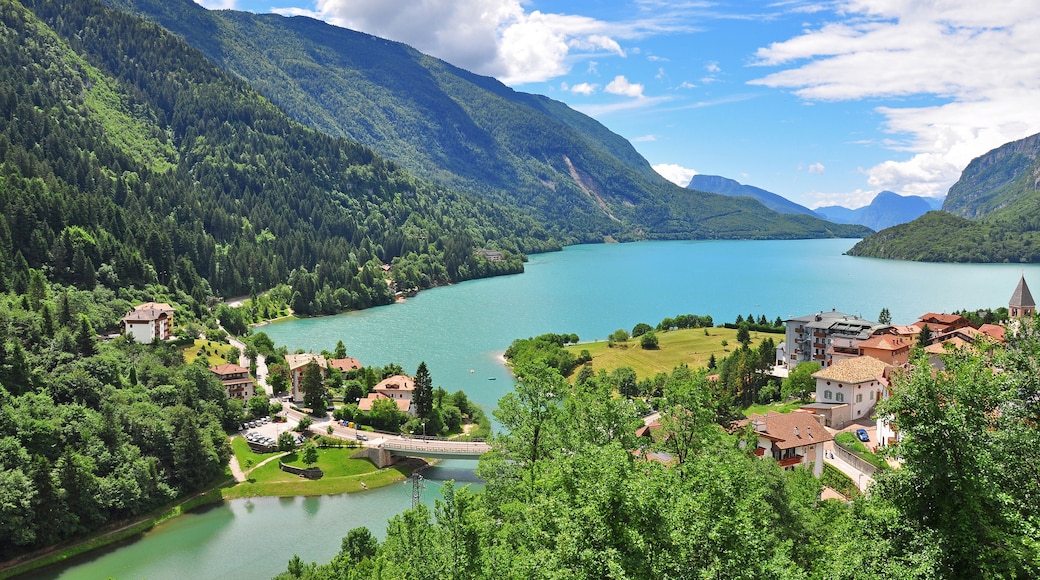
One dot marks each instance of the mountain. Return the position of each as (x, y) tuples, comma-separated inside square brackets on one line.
[(999, 191), (997, 180), (127, 159), (468, 132), (725, 186), (887, 209)]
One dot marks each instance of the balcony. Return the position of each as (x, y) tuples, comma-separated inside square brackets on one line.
[(819, 357), (790, 461), (820, 334)]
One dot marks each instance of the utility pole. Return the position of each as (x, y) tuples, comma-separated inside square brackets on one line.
[(418, 485)]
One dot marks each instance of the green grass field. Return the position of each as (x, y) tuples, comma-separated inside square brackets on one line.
[(690, 346), (216, 352), (342, 474)]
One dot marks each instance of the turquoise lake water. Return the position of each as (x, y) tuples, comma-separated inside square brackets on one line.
[(588, 290)]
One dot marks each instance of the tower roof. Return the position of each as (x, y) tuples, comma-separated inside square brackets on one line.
[(1022, 297)]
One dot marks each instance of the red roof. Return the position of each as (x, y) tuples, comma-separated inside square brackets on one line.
[(345, 364)]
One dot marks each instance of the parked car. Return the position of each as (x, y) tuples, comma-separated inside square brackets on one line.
[(861, 434), (362, 437)]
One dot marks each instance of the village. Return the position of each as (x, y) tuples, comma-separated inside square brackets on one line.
[(857, 360)]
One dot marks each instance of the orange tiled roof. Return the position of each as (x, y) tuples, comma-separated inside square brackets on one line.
[(345, 364), (885, 342), (788, 430)]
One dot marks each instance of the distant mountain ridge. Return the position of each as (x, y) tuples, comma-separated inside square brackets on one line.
[(887, 209), (726, 186), (581, 181), (1000, 191)]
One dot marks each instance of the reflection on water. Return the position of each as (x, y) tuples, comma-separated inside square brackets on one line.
[(255, 537)]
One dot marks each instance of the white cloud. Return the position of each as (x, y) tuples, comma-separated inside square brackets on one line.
[(981, 62), (677, 174), (495, 37), (644, 139), (687, 85), (584, 89), (621, 86), (816, 169), (217, 4)]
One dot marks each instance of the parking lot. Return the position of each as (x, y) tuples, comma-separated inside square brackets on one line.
[(265, 432)]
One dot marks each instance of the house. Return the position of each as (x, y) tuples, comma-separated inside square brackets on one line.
[(888, 348), (398, 388), (297, 364), (848, 389), (149, 321), (344, 365), (489, 255), (1021, 304), (792, 439), (940, 323), (237, 382), (825, 337)]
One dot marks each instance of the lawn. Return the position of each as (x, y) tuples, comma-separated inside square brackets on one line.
[(850, 442), (689, 346), (342, 474), (215, 352), (778, 407)]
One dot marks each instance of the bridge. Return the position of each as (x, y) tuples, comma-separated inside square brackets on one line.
[(382, 451)]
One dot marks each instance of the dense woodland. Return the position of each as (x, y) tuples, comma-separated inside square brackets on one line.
[(578, 179), (135, 161)]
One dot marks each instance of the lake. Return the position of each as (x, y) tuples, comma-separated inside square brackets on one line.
[(461, 331)]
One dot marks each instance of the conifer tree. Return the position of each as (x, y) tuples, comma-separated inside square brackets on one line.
[(423, 393)]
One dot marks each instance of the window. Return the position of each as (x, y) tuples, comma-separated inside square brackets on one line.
[(871, 395), (840, 397), (826, 394), (859, 398)]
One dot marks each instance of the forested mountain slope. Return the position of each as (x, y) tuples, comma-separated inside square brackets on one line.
[(1000, 191), (578, 179), (128, 158)]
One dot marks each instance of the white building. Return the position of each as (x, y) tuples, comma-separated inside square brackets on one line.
[(297, 364), (792, 439), (825, 337), (149, 321), (848, 390)]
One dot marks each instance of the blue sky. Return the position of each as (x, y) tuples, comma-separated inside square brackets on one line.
[(822, 102)]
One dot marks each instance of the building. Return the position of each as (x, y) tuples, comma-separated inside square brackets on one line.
[(398, 388), (344, 365), (149, 321), (942, 323), (237, 382), (792, 439), (888, 348), (825, 337), (1021, 304), (848, 389), (297, 364), (489, 255)]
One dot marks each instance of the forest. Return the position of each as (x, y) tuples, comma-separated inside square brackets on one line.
[(571, 492), (126, 159)]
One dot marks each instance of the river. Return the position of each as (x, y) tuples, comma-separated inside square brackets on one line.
[(461, 331)]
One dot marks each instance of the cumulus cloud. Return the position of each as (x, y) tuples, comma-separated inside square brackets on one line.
[(981, 63), (621, 86), (495, 37), (677, 174), (584, 89), (816, 168)]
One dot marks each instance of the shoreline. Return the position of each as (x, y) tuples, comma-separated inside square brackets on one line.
[(214, 495)]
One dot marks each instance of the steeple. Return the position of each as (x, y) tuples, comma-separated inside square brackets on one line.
[(1021, 303)]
